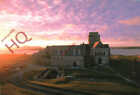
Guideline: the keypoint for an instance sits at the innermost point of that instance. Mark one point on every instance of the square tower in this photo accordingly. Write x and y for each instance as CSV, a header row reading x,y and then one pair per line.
x,y
93,37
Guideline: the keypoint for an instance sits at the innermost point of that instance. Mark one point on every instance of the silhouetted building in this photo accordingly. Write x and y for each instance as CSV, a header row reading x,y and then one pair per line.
x,y
83,55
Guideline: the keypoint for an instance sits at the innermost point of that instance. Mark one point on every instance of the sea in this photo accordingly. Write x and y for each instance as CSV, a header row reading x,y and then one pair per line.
x,y
125,52
114,51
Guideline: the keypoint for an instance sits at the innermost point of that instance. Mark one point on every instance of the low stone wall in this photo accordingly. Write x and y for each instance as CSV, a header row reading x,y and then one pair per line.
x,y
67,61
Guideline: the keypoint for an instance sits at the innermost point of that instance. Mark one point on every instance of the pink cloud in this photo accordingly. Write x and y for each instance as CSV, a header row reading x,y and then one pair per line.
x,y
132,21
65,19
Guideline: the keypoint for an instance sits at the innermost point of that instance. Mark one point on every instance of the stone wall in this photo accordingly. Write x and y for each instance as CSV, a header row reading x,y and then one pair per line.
x,y
101,55
67,61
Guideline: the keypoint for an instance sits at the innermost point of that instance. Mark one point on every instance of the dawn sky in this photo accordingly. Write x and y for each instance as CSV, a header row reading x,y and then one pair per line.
x,y
57,22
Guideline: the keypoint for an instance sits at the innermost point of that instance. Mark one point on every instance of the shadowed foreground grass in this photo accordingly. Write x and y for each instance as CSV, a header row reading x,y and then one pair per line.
x,y
88,81
9,89
99,88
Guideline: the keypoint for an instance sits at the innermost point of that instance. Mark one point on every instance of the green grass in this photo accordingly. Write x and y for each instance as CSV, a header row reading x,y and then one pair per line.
x,y
10,89
104,83
91,87
31,74
126,65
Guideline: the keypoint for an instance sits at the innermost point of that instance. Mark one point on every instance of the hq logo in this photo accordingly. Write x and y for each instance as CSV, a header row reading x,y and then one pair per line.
x,y
16,41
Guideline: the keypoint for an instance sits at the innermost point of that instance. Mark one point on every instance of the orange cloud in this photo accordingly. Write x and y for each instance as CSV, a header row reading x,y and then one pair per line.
x,y
30,48
132,21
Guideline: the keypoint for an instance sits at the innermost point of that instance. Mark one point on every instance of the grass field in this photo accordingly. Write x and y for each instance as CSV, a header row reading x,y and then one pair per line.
x,y
9,89
89,81
126,65
101,82
98,87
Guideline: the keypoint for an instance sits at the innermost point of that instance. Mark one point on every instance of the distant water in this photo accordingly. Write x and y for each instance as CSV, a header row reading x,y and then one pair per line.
x,y
113,52
125,52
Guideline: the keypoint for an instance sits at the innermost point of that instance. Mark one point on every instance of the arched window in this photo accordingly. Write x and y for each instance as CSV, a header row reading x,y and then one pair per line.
x,y
100,61
74,64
